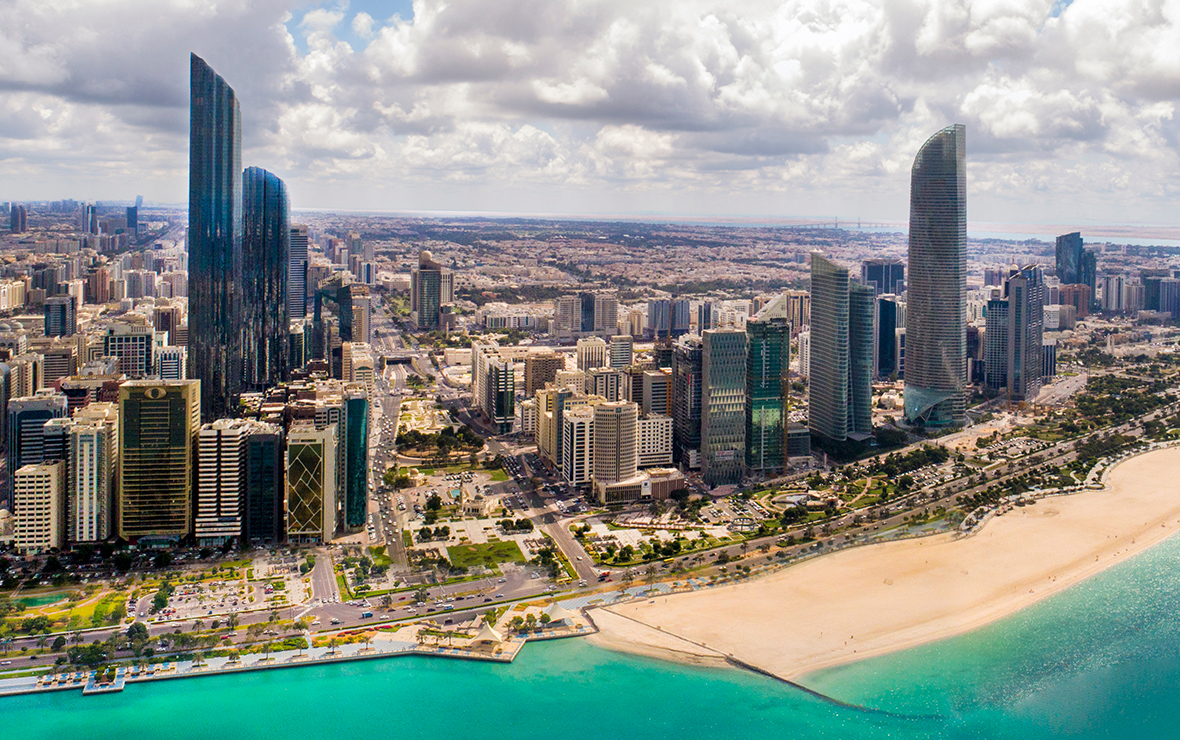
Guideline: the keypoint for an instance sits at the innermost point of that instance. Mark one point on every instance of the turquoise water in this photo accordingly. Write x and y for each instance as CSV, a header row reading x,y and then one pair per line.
x,y
1098,661
32,602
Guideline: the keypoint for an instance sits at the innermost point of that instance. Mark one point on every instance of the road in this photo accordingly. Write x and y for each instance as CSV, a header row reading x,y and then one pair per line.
x,y
323,578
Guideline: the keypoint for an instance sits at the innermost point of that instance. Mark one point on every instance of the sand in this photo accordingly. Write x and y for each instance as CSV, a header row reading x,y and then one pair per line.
x,y
873,600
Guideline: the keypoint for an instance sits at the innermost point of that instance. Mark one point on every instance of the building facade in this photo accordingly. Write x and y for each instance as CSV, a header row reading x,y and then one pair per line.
x,y
266,267
723,406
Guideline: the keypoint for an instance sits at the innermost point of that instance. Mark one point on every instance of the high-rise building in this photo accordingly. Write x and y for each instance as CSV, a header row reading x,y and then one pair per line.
x,y
39,507
93,445
26,421
430,290
592,353
297,260
158,422
723,406
883,276
355,432
60,316
577,445
687,358
494,384
311,483
890,317
606,314
1076,265
214,240
936,344
135,347
221,478
1014,338
653,444
681,317
541,368
133,221
768,361
266,240
1079,296
18,219
840,381
172,363
659,318
622,350
615,453
654,396
608,382
265,484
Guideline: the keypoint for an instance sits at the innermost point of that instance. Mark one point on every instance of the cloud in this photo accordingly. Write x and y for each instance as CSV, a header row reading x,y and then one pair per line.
x,y
826,99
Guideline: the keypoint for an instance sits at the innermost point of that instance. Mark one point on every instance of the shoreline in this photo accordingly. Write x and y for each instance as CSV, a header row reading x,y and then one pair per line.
x,y
882,598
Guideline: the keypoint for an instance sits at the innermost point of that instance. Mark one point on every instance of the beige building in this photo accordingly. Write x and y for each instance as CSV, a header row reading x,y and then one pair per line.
x,y
39,506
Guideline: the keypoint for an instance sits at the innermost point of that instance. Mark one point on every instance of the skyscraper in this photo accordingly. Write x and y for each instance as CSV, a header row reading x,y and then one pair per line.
x,y
91,472
614,450
540,368
297,272
768,359
687,357
936,312
214,239
311,483
622,350
266,239
356,456
60,316
723,406
265,482
39,506
890,318
430,289
26,421
840,391
158,422
1014,338
883,275
221,473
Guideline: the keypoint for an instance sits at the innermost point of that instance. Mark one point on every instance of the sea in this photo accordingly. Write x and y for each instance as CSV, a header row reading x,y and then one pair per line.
x,y
1099,660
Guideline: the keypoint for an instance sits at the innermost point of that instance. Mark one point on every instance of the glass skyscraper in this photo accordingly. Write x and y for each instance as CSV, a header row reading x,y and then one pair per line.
x,y
841,373
356,457
214,239
723,406
936,311
264,486
297,272
768,360
266,239
687,357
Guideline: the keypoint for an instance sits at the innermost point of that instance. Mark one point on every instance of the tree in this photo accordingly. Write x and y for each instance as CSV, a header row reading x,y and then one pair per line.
x,y
332,644
232,621
58,643
545,619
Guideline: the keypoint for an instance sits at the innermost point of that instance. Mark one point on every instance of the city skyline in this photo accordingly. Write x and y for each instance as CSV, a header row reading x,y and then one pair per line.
x,y
355,110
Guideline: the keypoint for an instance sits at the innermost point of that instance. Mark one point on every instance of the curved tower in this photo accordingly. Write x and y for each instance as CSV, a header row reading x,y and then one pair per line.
x,y
936,340
214,239
266,240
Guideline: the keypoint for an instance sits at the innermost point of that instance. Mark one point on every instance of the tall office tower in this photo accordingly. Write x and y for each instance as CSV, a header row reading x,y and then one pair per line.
x,y
266,239
26,426
1076,265
659,318
356,456
607,382
98,286
539,369
592,353
91,488
133,221
585,319
681,317
1015,333
90,218
494,384
362,315
59,360
936,307
428,292
214,240
167,318
606,314
39,507
615,454
221,477
687,359
655,392
566,315
134,345
653,444
840,390
883,275
55,439
1079,296
172,363
890,318
297,261
577,445
768,364
706,316
18,219
311,483
622,350
264,485
723,406
60,316
158,422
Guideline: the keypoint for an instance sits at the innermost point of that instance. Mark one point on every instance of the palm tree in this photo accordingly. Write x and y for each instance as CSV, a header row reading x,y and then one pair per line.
x,y
232,622
42,641
335,641
266,650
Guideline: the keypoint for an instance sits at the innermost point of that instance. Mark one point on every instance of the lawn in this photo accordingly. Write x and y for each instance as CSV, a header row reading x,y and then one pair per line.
x,y
378,556
489,555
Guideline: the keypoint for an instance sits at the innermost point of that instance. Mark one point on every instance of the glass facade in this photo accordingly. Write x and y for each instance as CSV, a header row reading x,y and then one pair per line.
x,y
214,239
936,312
768,360
158,422
723,406
297,272
356,458
841,372
311,484
687,357
266,240
264,487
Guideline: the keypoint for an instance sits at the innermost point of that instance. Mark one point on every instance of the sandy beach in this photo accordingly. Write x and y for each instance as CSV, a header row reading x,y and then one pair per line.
x,y
877,599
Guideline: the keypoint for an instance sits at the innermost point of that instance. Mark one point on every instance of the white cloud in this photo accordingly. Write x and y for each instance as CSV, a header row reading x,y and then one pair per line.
x,y
823,100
